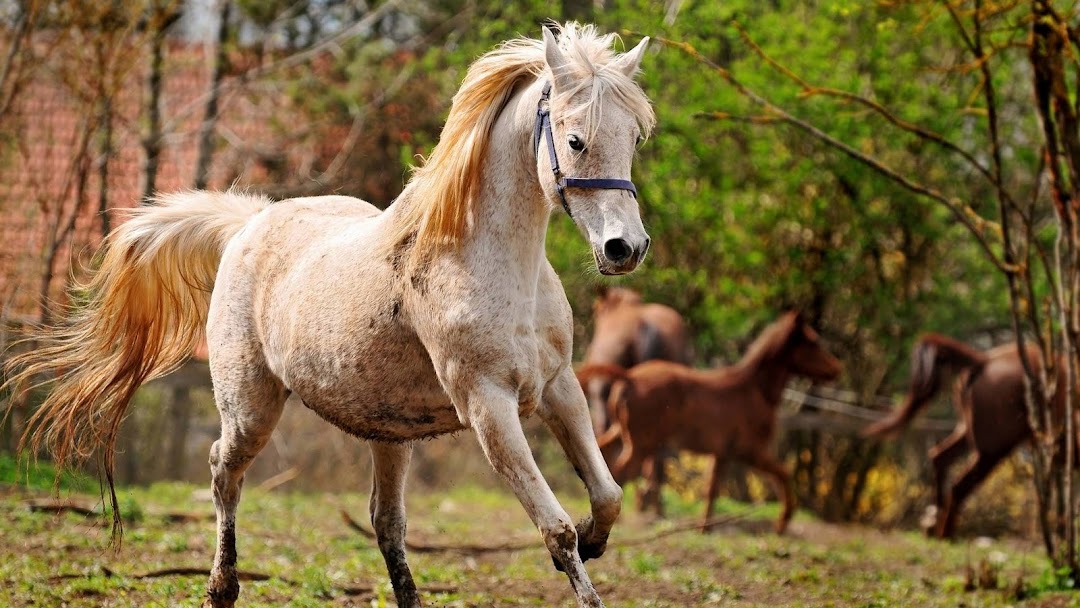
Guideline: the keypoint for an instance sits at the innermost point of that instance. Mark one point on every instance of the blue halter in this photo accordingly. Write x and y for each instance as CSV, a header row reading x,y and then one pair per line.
x,y
543,128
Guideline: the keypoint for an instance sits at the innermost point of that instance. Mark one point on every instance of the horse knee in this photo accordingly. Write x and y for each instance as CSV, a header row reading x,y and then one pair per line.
x,y
607,502
215,454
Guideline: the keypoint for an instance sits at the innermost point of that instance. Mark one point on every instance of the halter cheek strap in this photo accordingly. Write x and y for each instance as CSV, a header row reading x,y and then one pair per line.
x,y
543,129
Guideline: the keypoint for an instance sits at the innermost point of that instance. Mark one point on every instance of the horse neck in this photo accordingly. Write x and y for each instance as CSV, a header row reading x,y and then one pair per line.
x,y
767,372
510,214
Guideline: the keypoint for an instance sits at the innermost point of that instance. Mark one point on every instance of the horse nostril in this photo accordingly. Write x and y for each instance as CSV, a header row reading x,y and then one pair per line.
x,y
645,247
617,250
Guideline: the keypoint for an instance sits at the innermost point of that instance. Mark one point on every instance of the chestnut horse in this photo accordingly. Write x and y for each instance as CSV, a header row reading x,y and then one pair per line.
x,y
728,412
989,400
438,314
628,331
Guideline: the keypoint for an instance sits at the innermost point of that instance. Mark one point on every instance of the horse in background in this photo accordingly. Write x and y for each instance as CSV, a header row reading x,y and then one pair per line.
x,y
728,412
628,331
992,416
438,314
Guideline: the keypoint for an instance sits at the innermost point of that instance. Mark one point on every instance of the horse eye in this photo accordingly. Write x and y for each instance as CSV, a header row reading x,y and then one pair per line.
x,y
638,139
576,143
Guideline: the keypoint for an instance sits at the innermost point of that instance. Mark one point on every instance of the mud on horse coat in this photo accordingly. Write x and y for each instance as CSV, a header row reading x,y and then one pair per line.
x,y
728,412
438,314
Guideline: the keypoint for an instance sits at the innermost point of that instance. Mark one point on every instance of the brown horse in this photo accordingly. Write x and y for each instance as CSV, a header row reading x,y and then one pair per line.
x,y
729,412
989,400
628,331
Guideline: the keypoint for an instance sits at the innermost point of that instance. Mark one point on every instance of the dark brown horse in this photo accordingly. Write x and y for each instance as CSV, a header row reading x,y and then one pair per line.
x,y
989,400
729,412
628,331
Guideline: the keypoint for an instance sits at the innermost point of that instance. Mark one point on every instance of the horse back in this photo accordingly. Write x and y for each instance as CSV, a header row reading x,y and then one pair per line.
x,y
662,334
303,294
669,404
992,401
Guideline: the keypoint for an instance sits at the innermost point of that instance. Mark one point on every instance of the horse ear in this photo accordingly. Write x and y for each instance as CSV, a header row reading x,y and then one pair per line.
x,y
629,62
557,61
798,322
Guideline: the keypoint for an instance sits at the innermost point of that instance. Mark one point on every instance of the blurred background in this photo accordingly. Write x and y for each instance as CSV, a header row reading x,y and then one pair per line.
x,y
104,103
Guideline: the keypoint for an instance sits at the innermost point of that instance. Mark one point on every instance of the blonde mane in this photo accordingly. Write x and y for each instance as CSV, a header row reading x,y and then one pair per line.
x,y
445,188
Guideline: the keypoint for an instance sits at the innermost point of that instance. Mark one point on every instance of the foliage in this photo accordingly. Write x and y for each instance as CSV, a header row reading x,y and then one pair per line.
x,y
748,215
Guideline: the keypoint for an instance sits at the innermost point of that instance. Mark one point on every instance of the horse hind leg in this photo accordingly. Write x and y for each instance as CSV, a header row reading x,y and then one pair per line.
x,y
391,463
652,475
768,465
942,456
977,471
249,412
719,465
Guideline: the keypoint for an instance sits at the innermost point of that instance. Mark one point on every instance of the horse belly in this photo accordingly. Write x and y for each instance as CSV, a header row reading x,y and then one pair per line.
x,y
376,383
391,422
392,408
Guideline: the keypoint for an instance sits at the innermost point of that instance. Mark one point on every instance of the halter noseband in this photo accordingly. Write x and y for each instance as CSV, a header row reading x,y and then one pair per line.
x,y
543,128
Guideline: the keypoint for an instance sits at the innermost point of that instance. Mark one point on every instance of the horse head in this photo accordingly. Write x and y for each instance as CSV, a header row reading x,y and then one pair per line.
x,y
807,355
590,119
609,299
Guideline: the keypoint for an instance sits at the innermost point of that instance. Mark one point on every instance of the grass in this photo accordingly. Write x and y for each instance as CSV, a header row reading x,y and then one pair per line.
x,y
313,559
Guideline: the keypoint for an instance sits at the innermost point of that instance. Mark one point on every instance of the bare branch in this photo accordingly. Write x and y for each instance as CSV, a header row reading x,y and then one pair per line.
x,y
978,226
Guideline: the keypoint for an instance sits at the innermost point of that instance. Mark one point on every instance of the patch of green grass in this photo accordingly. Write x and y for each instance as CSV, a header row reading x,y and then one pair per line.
x,y
312,558
31,474
645,563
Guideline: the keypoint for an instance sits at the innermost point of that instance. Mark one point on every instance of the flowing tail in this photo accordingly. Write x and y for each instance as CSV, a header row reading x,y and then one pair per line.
x,y
143,313
616,375
932,357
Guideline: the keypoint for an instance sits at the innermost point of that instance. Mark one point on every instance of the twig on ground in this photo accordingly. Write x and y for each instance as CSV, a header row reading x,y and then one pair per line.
x,y
50,505
418,547
470,549
57,505
243,575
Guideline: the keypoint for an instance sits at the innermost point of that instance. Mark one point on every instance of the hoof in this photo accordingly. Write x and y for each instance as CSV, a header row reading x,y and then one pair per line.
x,y
587,547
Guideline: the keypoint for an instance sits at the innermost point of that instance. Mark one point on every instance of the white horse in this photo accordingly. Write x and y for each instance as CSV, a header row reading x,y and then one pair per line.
x,y
439,314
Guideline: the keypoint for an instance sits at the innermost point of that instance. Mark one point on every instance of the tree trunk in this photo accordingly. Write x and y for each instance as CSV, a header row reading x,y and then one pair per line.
x,y
206,130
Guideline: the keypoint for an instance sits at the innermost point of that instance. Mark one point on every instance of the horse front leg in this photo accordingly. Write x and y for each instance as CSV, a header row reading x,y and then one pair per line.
x,y
566,412
493,413
387,505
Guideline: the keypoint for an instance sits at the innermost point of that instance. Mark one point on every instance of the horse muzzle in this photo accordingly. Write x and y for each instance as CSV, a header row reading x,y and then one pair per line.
x,y
620,256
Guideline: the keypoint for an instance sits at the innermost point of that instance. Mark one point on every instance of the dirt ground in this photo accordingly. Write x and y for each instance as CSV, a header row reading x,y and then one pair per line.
x,y
310,556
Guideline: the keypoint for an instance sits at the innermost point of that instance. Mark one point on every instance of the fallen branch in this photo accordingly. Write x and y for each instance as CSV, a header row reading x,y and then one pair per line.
x,y
681,527
466,549
185,518
243,575
56,505
471,549
50,505
110,573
